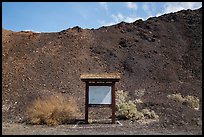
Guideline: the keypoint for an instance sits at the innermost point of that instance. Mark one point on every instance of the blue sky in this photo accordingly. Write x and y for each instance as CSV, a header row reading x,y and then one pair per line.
x,y
58,16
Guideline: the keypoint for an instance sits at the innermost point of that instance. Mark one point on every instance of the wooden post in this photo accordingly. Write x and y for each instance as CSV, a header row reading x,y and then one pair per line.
x,y
113,102
86,102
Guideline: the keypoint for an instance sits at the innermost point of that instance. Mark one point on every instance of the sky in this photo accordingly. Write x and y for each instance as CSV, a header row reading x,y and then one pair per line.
x,y
58,16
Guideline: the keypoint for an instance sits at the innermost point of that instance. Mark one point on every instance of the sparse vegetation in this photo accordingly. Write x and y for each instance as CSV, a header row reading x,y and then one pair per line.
x,y
121,97
191,101
139,92
149,114
128,110
54,110
176,97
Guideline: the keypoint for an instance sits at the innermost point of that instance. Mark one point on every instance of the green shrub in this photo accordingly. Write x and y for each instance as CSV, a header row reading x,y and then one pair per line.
x,y
54,110
128,110
121,98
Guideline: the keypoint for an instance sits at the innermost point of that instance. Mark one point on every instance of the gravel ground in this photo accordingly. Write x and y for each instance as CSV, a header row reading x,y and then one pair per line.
x,y
121,128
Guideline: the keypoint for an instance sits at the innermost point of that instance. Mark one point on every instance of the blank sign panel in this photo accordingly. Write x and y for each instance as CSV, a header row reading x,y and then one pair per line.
x,y
99,94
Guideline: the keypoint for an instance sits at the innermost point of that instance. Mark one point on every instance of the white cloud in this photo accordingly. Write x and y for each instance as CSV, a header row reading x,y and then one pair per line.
x,y
177,6
150,10
117,18
32,31
132,5
104,5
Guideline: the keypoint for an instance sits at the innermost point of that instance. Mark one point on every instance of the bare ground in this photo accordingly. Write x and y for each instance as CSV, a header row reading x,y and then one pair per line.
x,y
120,128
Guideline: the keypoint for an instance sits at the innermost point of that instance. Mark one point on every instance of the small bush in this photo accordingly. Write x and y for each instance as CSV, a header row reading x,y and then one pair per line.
x,y
149,114
54,110
127,110
177,97
154,115
138,115
146,113
121,98
191,101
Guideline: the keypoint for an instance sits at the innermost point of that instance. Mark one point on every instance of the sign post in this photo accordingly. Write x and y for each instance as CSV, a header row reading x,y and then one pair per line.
x,y
100,90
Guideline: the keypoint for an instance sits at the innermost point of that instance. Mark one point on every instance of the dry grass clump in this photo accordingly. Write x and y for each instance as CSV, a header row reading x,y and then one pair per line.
x,y
191,101
54,110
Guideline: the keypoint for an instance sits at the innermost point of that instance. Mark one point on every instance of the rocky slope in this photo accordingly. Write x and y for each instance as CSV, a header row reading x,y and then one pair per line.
x,y
159,56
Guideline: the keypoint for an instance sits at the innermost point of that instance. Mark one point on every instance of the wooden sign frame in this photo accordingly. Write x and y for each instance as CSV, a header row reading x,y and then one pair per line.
x,y
100,80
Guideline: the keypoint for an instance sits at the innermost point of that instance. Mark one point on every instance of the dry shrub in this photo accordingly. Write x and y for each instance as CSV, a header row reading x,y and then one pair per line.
x,y
54,110
191,101
176,97
149,114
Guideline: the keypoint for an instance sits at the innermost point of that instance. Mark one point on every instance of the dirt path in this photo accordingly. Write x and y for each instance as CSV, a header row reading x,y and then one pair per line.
x,y
121,128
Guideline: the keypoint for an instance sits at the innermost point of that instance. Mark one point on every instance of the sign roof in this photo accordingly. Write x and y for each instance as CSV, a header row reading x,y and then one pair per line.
x,y
100,76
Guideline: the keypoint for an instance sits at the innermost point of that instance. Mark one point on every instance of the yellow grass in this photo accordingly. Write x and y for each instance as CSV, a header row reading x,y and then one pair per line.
x,y
54,110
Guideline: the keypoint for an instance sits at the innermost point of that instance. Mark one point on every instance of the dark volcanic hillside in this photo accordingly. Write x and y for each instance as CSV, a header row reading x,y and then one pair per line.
x,y
160,56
